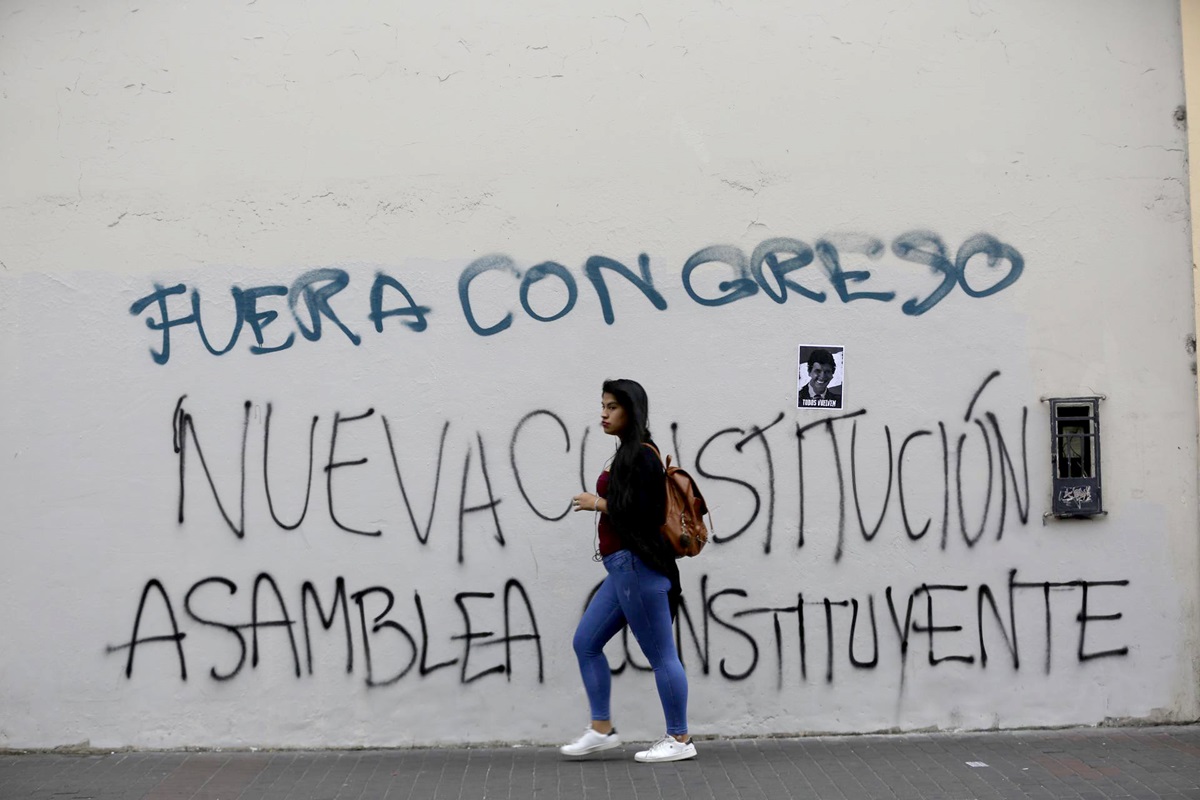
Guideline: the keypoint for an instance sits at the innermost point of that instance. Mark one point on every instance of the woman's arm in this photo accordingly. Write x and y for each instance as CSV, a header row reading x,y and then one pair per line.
x,y
586,501
648,503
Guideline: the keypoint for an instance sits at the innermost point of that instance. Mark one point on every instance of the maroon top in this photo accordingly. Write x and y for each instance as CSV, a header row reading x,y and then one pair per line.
x,y
609,541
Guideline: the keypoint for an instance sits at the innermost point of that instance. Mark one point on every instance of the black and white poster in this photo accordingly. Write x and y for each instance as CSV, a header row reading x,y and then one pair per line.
x,y
821,376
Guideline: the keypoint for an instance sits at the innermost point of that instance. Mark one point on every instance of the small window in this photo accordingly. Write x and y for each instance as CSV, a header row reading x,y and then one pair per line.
x,y
1075,442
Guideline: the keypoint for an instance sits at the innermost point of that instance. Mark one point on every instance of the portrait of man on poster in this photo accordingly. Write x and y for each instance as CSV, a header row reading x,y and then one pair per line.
x,y
821,376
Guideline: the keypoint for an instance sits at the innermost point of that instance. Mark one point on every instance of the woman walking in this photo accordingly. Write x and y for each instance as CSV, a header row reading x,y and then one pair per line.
x,y
641,589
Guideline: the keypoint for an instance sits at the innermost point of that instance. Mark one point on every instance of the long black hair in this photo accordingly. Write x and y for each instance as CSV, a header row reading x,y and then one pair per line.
x,y
631,397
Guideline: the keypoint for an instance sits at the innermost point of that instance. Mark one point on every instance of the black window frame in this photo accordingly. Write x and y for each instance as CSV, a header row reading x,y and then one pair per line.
x,y
1075,457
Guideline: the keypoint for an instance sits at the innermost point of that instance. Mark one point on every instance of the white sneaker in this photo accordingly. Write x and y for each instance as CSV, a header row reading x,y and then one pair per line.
x,y
592,741
667,748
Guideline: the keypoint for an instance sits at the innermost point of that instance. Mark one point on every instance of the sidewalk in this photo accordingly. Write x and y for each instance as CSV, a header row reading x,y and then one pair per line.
x,y
1161,762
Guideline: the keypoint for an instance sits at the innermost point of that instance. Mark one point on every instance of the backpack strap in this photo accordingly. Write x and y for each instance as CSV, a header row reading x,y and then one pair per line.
x,y
654,450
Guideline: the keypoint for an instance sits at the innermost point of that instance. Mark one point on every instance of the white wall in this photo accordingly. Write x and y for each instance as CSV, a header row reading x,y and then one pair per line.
x,y
242,145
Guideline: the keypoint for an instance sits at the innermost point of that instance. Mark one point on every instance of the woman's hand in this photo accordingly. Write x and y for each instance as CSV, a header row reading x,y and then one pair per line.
x,y
587,501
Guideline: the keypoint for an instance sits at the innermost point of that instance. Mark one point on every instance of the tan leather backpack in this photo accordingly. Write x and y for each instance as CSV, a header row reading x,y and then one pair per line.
x,y
684,524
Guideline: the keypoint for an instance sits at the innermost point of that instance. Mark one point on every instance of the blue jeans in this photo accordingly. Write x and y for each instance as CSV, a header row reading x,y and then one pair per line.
x,y
636,595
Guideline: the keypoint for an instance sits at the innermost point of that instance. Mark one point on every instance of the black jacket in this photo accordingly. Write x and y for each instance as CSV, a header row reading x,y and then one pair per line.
x,y
638,522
